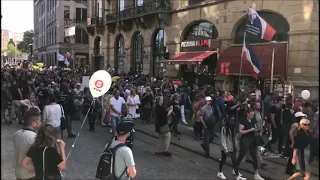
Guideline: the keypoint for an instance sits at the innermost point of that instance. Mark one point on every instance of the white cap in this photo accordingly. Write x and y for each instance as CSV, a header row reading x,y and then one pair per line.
x,y
253,94
299,114
208,98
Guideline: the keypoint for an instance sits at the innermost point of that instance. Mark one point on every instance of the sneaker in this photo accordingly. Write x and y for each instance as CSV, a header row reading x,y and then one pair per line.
x,y
184,122
110,130
175,136
133,130
103,124
234,173
257,177
221,175
241,178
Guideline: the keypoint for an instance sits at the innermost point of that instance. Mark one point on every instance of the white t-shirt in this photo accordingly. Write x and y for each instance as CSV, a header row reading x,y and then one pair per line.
x,y
22,141
52,115
117,104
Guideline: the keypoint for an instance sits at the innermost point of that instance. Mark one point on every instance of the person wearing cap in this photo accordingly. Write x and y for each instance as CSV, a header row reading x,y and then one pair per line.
x,y
207,118
290,141
124,157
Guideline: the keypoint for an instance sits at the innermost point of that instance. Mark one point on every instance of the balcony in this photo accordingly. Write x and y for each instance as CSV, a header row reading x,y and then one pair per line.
x,y
161,6
74,22
95,24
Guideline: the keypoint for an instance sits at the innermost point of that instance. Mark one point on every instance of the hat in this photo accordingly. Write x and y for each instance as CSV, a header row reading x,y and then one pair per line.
x,y
208,98
253,94
123,128
299,114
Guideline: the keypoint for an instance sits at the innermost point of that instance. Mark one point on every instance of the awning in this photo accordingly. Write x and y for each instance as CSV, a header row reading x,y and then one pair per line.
x,y
190,57
230,59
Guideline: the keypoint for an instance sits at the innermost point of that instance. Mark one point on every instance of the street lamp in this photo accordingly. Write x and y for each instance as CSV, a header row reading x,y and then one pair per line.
x,y
272,65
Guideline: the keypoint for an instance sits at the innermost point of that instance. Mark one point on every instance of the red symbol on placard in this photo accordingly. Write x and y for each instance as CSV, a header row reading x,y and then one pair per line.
x,y
98,84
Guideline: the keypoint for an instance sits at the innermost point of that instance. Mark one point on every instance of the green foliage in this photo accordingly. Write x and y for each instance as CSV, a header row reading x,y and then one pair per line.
x,y
12,51
27,40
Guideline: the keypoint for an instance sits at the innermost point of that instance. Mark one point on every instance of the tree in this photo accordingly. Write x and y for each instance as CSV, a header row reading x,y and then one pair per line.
x,y
12,51
23,46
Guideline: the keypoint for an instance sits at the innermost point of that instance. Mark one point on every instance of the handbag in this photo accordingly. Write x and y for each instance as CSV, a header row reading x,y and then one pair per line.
x,y
63,120
164,129
56,177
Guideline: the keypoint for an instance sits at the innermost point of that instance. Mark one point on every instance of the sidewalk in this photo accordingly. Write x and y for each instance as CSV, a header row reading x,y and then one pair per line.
x,y
275,169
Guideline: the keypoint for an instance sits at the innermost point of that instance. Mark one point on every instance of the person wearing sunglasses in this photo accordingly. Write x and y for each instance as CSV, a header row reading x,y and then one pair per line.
x,y
301,151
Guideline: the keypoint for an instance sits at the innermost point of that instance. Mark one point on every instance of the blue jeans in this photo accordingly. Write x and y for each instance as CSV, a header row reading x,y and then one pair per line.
x,y
114,121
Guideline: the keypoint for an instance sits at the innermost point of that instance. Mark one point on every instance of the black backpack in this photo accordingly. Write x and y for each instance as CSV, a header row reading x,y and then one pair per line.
x,y
105,170
287,116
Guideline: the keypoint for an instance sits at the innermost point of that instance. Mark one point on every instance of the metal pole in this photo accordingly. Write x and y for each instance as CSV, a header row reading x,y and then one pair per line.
x,y
241,61
272,69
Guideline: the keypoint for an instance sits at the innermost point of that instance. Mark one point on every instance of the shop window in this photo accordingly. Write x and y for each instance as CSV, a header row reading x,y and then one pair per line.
x,y
138,53
278,22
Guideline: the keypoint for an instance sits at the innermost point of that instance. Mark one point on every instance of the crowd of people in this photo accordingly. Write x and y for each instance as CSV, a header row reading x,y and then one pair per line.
x,y
242,120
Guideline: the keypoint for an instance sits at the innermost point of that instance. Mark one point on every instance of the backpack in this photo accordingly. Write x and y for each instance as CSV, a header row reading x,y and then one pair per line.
x,y
287,116
105,170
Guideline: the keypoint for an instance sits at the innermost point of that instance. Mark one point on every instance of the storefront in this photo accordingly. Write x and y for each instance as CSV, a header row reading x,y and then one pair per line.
x,y
197,58
229,62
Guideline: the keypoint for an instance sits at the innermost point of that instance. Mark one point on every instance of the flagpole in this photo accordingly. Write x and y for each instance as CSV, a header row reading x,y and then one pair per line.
x,y
272,69
241,61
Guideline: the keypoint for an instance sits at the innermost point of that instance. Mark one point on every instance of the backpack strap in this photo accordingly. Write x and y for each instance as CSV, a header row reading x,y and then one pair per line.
x,y
114,157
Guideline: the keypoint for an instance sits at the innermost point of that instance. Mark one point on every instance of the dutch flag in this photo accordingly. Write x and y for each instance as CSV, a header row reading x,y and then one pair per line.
x,y
247,54
258,26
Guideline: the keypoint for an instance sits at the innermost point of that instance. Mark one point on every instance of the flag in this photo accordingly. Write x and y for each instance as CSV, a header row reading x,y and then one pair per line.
x,y
61,57
247,54
257,26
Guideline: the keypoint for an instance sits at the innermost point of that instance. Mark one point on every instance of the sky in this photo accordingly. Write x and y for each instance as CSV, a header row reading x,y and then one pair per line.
x,y
17,15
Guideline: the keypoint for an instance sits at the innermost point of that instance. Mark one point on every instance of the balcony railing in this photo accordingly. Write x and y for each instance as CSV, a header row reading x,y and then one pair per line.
x,y
74,22
145,9
98,21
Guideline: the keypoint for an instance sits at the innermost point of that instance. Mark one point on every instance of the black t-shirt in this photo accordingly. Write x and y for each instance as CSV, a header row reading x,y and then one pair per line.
x,y
51,157
14,92
230,112
301,140
277,114
176,109
247,125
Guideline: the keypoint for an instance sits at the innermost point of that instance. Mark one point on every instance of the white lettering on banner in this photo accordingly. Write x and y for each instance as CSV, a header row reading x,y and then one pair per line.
x,y
253,30
206,42
188,44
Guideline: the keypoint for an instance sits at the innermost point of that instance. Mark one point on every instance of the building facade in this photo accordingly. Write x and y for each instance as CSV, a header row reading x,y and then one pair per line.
x,y
135,35
54,20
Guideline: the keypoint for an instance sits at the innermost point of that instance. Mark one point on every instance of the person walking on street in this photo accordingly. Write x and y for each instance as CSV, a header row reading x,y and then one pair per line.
x,y
228,147
247,130
207,118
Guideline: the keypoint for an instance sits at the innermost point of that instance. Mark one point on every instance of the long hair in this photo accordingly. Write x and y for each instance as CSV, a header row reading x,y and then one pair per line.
x,y
229,127
46,137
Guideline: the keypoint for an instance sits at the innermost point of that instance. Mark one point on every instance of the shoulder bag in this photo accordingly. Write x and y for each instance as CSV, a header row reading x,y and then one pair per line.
x,y
63,120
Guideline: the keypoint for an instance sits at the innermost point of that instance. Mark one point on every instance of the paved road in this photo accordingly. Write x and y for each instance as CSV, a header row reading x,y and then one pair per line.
x,y
84,158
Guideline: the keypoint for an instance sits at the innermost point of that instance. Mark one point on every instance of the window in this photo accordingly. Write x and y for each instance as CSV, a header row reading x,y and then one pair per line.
x,y
67,12
78,14
78,35
138,53
121,5
159,48
120,56
192,2
84,14
139,2
201,31
85,38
